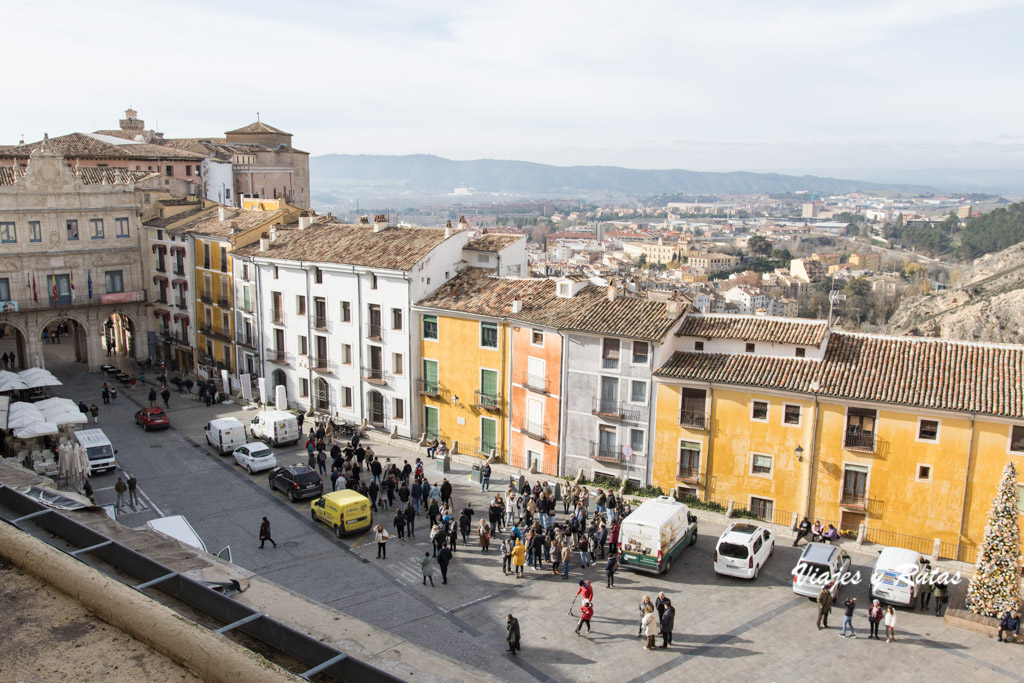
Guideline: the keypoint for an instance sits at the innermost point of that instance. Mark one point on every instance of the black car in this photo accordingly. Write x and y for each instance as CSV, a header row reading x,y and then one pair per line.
x,y
298,481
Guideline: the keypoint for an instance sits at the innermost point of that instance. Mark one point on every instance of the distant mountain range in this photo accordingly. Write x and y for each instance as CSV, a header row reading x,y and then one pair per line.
x,y
336,175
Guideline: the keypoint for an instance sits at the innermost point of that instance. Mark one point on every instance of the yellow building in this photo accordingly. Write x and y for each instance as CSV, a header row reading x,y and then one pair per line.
x,y
905,436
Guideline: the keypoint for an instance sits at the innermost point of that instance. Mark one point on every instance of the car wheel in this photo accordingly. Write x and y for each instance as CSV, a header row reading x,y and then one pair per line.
x,y
772,551
292,497
312,513
270,483
693,541
337,531
249,467
757,569
668,565
144,427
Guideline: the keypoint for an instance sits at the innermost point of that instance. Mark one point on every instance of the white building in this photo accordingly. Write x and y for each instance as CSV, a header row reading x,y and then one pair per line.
x,y
747,299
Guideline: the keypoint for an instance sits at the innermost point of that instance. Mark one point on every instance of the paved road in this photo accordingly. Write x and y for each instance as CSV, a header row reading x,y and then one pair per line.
x,y
725,628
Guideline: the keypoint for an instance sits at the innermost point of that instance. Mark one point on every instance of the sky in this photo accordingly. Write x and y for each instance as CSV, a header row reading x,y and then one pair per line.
x,y
779,85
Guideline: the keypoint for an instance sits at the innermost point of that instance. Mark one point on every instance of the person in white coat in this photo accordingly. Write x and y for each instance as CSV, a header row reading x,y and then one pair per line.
x,y
381,535
650,626
890,624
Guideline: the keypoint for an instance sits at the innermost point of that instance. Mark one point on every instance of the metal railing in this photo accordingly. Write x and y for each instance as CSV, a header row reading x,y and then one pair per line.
x,y
181,304
694,419
485,447
537,383
688,474
374,331
534,429
277,317
214,331
859,440
606,453
925,546
428,387
246,340
245,306
278,356
224,303
178,270
322,364
321,322
487,401
853,500
206,297
615,409
371,374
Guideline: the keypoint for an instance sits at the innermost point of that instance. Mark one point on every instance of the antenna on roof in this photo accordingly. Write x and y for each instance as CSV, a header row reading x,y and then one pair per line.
x,y
257,117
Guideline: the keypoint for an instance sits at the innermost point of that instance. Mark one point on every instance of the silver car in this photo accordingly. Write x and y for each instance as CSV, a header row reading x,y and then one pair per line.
x,y
820,565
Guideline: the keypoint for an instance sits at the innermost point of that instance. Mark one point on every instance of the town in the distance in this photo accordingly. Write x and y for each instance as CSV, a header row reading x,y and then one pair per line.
x,y
489,435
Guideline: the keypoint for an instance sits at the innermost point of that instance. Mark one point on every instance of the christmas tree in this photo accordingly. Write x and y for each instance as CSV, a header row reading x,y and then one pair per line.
x,y
995,587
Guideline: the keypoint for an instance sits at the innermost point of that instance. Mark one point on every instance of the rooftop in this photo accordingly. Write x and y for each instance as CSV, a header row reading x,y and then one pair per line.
x,y
83,145
209,223
755,329
257,127
493,242
108,175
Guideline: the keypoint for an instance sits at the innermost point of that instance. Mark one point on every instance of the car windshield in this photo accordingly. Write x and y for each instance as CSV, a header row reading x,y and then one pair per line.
x,y
307,477
260,452
734,550
99,452
157,413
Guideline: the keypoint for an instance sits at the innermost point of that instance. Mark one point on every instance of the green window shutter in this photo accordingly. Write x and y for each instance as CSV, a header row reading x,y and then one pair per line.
x,y
489,383
489,434
430,419
430,371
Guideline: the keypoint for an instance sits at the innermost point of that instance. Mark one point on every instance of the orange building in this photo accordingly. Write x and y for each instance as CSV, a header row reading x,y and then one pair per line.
x,y
536,397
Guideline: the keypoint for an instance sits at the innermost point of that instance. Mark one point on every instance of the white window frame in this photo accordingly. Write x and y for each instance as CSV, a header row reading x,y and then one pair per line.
x,y
343,354
767,413
647,392
480,431
528,459
437,324
395,402
632,353
1009,440
426,409
341,312
346,405
799,421
497,335
397,368
938,430
763,475
534,331
643,433
700,454
931,472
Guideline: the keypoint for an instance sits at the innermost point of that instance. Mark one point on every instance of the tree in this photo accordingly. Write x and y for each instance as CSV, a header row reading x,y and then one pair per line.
x,y
995,587
643,261
759,246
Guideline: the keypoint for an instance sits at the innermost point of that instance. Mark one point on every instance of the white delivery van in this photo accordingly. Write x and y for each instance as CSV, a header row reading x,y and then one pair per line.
x,y
275,426
655,533
225,434
99,449
896,576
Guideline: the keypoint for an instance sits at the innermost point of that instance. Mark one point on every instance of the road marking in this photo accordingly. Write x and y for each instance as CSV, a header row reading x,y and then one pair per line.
x,y
150,502
471,602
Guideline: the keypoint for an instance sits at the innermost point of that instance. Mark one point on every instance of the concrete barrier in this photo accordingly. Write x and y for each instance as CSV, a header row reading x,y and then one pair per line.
x,y
210,656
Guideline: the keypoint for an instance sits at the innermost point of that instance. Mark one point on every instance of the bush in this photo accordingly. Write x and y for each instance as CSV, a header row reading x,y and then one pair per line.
x,y
607,482
645,491
698,504
743,513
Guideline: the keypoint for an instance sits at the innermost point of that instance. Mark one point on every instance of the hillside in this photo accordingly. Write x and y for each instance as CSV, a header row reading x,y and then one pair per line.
x,y
427,174
986,305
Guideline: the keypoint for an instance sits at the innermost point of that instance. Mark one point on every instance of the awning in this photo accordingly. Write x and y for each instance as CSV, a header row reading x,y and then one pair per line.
x,y
178,282
157,312
181,316
159,247
181,249
158,278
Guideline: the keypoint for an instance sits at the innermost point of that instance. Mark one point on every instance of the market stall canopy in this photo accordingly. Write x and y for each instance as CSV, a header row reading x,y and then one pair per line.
x,y
35,429
37,377
65,417
10,381
23,414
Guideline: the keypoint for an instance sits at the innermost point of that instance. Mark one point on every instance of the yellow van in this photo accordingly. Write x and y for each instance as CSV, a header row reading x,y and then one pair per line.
x,y
344,511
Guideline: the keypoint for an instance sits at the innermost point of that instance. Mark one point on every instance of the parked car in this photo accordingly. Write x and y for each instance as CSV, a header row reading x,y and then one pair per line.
x,y
743,549
225,434
152,418
255,457
298,481
820,565
275,427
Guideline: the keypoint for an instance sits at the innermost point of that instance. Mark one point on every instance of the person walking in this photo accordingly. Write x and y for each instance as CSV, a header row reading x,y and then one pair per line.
x,y
556,557
410,519
941,597
105,394
427,567
610,568
444,557
668,620
265,533
133,486
586,614
519,558
645,602
875,614
649,626
113,395
584,546
152,398
446,492
483,530
506,556
400,523
890,624
512,635
485,477
851,605
824,607
926,587
802,531
381,536
120,487
94,410
166,396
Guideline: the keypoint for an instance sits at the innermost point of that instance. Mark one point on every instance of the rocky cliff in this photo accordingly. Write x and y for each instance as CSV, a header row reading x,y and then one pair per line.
x,y
987,304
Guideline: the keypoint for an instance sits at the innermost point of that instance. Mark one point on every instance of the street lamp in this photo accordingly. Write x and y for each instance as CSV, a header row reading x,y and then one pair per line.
x,y
800,453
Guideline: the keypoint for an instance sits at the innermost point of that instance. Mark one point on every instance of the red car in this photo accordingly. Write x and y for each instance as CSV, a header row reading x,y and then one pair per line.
x,y
152,418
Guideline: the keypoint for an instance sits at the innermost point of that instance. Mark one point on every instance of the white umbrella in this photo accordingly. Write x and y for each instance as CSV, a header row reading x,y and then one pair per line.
x,y
65,417
35,429
9,381
22,414
49,403
37,377
81,460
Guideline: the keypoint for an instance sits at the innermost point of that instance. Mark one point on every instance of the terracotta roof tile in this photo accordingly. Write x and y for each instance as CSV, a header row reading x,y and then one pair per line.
x,y
107,175
755,328
209,223
257,127
80,145
922,373
493,242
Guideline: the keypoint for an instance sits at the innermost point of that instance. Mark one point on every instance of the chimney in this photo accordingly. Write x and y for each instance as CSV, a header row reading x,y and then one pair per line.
x,y
448,232
517,304
234,228
380,223
363,220
221,214
463,225
673,306
264,244
273,232
613,291
305,222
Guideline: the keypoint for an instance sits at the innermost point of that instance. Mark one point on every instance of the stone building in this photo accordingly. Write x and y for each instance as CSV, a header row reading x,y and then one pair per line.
x,y
71,258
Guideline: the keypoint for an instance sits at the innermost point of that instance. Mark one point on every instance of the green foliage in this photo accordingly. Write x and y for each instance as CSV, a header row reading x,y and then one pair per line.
x,y
934,240
995,587
645,491
743,513
759,246
993,231
698,504
782,255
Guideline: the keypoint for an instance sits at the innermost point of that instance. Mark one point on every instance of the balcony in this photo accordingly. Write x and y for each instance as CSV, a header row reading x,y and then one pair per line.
x,y
206,297
179,270
616,410
322,365
858,440
853,501
537,383
214,331
160,268
246,340
374,331
487,401
181,305
609,453
688,474
277,317
245,306
224,303
485,448
321,323
278,356
161,300
694,419
376,375
534,429
428,387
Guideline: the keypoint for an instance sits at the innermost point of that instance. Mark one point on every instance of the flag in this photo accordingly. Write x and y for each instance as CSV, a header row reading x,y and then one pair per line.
x,y
35,294
90,284
72,287
54,278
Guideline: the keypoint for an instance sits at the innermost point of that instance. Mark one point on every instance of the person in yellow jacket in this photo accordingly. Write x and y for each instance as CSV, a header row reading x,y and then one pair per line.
x,y
519,558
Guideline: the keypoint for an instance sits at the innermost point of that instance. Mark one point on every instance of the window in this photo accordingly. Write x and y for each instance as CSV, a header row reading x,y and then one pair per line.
x,y
855,485
318,276
5,289
431,421
759,411
610,353
762,507
750,347
429,385
60,289
489,335
8,233
691,413
482,258
488,435
373,281
346,312
698,346
636,440
303,387
924,472
397,363
276,272
170,174
638,391
607,443
346,354
396,318
300,305
801,352
928,430
430,327
35,232
860,429
188,170
399,409
206,256
115,281
303,345
1017,439
223,259
96,225
761,464
563,289
689,460
227,194
791,414
72,230
537,338
121,229
346,397
641,352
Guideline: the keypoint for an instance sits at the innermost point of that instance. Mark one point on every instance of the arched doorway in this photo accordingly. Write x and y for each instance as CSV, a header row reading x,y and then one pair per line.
x,y
322,396
375,407
63,340
12,343
119,336
278,379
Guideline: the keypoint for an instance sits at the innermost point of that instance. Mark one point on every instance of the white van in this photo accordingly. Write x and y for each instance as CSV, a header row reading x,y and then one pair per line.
x,y
275,426
99,449
225,434
896,576
176,526
655,533
743,549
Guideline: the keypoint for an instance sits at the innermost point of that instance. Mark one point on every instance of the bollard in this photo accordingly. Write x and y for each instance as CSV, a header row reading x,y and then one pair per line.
x,y
936,549
455,448
728,509
444,465
862,533
796,522
423,440
394,433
